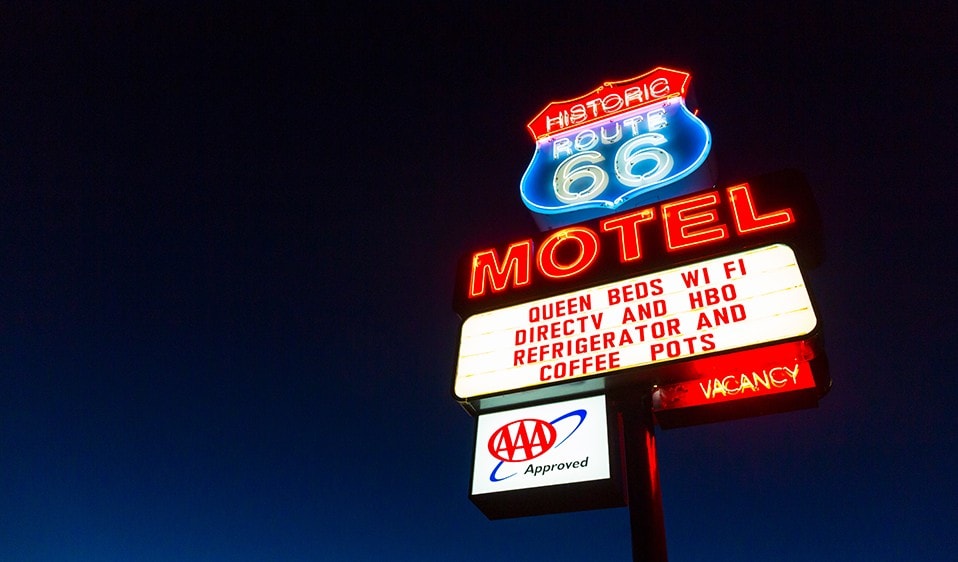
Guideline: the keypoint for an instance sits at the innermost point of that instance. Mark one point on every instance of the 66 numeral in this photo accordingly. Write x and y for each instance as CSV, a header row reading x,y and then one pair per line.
x,y
584,167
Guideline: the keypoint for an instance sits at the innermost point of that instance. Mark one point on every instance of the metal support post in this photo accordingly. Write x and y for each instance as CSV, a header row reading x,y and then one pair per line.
x,y
642,480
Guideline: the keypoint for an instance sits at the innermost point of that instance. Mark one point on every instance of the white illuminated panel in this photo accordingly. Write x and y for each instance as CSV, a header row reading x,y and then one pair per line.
x,y
725,303
558,443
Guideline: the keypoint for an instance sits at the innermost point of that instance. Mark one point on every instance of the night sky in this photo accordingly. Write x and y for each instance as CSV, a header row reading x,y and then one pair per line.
x,y
228,242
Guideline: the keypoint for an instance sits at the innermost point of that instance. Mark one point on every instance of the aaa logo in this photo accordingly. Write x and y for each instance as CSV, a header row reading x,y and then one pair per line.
x,y
526,439
522,440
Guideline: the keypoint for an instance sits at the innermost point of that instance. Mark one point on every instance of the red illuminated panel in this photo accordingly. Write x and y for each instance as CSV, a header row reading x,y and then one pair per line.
x,y
755,377
742,383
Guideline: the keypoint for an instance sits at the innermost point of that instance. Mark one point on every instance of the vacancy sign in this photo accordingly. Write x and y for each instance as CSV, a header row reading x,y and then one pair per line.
x,y
725,303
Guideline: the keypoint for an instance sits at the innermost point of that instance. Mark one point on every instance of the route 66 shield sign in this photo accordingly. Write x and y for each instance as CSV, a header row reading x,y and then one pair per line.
x,y
622,145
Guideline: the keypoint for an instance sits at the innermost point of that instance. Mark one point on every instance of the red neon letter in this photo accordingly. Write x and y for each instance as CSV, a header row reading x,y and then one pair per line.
x,y
747,220
588,243
517,265
679,220
630,247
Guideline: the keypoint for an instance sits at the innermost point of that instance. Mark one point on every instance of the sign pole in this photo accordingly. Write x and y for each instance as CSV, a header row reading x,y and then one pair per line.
x,y
642,480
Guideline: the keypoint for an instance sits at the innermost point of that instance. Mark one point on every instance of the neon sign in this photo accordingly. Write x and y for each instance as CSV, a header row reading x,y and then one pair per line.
x,y
770,379
722,304
621,145
776,208
650,283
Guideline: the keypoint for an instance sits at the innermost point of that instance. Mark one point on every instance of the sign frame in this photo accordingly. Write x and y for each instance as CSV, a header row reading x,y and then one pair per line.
x,y
558,498
647,374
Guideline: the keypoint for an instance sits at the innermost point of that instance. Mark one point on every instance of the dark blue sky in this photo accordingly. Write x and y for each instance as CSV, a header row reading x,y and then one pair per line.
x,y
228,243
